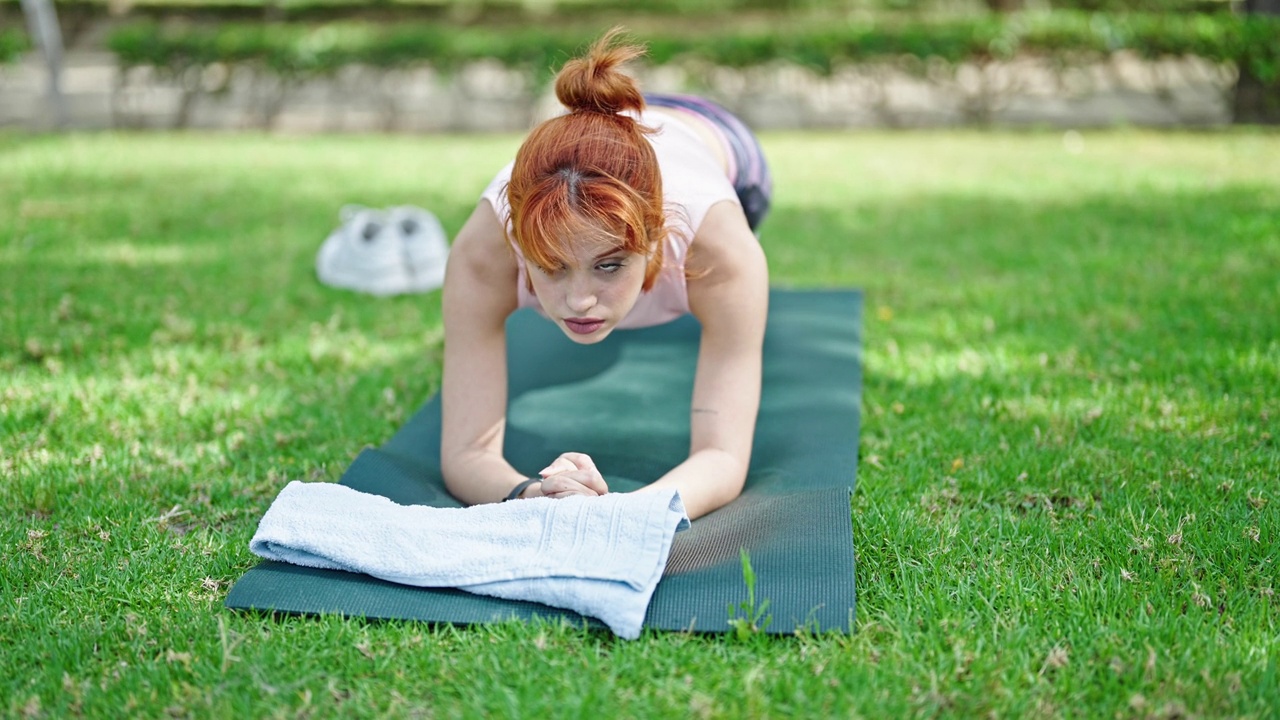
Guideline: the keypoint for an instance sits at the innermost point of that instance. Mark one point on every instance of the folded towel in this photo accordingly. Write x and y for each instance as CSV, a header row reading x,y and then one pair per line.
x,y
601,556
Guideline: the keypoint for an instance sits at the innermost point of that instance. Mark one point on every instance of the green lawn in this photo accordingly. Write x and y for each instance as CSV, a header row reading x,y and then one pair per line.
x,y
1070,481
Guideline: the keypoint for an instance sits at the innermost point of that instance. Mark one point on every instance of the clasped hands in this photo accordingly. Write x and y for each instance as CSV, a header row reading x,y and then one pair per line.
x,y
570,474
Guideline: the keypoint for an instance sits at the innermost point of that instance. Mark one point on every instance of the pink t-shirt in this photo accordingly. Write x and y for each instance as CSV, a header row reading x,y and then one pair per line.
x,y
692,181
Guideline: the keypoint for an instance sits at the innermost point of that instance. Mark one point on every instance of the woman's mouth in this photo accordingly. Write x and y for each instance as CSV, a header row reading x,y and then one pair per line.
x,y
583,326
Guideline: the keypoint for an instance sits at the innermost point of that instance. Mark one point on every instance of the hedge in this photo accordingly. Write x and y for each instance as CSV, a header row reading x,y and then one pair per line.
x,y
12,44
1250,42
574,8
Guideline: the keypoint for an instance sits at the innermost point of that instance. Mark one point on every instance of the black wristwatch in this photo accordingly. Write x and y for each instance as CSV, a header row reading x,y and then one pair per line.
x,y
515,492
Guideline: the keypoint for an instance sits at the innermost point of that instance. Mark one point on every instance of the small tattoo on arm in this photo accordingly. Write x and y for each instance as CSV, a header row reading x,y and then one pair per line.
x,y
705,410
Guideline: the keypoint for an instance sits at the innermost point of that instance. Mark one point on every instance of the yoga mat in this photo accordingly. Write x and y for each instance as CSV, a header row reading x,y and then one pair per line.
x,y
625,402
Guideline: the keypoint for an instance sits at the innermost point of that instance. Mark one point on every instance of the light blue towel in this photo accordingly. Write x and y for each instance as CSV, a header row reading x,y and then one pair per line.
x,y
601,557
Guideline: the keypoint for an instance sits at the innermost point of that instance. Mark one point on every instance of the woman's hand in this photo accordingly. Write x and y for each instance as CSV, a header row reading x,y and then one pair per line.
x,y
572,474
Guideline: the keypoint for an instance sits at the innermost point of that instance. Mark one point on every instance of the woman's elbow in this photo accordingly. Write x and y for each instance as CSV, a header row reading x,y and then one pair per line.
x,y
729,483
452,470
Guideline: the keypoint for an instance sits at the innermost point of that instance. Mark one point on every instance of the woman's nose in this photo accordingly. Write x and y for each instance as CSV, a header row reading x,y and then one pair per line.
x,y
581,296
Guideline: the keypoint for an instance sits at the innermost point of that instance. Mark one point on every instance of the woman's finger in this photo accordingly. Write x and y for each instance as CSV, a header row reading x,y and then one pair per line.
x,y
577,482
589,479
580,491
569,494
582,461
578,462
559,465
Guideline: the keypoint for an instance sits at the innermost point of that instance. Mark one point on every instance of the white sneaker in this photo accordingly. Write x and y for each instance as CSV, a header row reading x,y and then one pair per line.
x,y
426,246
384,253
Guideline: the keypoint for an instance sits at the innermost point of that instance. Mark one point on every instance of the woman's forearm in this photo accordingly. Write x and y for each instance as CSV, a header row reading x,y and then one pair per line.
x,y
478,476
707,480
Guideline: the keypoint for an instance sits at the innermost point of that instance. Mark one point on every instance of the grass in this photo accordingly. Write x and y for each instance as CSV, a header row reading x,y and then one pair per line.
x,y
1066,504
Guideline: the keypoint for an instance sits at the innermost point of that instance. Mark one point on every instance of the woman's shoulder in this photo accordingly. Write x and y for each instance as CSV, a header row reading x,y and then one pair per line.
x,y
478,257
724,248
691,186
496,191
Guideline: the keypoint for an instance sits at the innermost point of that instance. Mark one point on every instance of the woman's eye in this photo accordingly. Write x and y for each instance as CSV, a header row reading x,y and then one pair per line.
x,y
610,266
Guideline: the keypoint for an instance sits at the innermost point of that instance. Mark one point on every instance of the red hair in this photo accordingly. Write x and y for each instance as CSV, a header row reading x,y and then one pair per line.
x,y
591,169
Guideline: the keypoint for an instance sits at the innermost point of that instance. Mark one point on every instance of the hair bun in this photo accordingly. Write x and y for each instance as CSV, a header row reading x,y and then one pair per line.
x,y
594,82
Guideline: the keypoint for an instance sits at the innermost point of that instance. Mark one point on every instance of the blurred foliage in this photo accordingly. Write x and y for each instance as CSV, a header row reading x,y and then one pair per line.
x,y
300,50
480,9
13,43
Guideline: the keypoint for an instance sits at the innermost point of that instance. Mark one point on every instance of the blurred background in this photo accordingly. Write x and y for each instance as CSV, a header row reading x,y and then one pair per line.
x,y
303,66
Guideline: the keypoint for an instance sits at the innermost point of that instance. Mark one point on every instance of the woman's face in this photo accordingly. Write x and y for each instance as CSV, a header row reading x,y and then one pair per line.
x,y
592,292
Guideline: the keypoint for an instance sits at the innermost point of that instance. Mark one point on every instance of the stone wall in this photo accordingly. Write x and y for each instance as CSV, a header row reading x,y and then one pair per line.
x,y
487,97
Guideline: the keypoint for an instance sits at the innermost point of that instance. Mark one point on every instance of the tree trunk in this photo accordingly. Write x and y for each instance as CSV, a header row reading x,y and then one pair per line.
x,y
1257,101
42,23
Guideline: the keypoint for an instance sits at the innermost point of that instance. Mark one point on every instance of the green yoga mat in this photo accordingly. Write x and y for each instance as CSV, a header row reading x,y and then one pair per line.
x,y
625,402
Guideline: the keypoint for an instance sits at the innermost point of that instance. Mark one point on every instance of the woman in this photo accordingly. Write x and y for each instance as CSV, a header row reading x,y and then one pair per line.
x,y
621,213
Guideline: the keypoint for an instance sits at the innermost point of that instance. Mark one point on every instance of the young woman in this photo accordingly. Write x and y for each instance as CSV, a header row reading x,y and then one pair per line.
x,y
625,212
